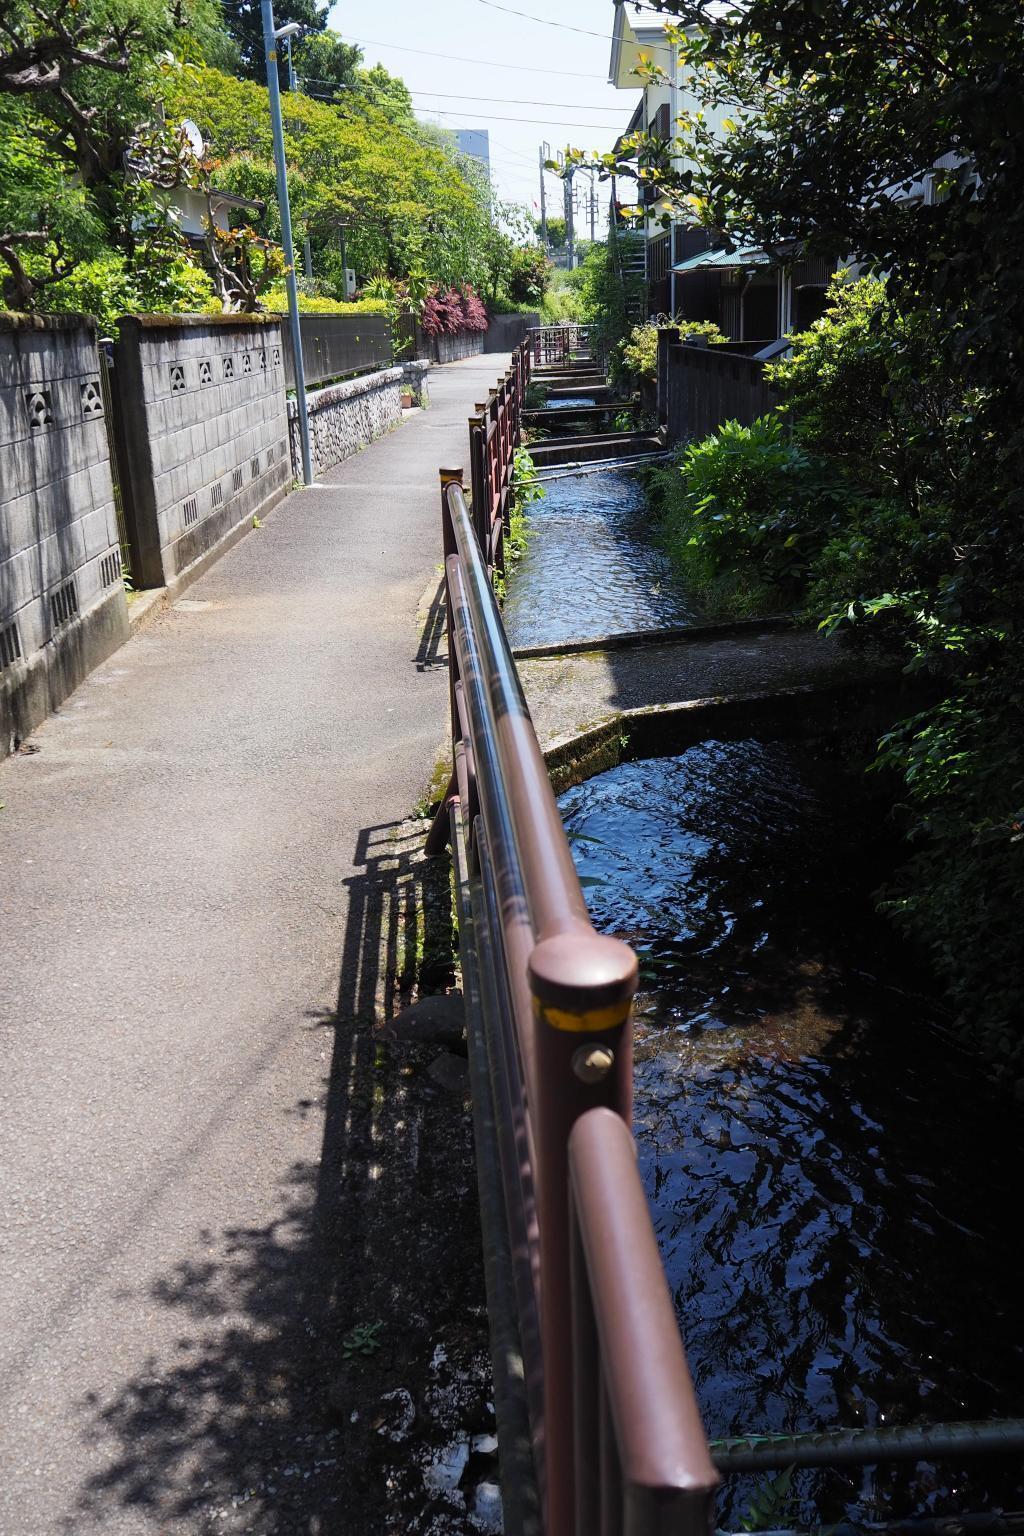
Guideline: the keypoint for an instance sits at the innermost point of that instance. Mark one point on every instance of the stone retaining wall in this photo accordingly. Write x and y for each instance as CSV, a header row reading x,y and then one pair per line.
x,y
345,417
62,599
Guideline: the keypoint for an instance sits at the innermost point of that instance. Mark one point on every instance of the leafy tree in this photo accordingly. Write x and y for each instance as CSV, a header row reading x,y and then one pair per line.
x,y
889,134
325,64
82,149
557,233
244,21
403,197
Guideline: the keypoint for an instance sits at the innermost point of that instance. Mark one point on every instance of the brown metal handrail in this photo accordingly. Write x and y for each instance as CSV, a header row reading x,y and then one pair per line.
x,y
494,436
558,345
560,1047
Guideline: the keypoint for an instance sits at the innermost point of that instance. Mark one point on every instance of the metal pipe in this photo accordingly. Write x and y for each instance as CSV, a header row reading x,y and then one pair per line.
x,y
668,1482
277,125
866,1447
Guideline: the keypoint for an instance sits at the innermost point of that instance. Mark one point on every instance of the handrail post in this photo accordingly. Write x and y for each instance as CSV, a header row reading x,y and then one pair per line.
x,y
582,984
437,837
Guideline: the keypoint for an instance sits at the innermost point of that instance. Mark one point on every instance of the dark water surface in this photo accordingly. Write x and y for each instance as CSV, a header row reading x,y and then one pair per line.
x,y
835,1188
589,567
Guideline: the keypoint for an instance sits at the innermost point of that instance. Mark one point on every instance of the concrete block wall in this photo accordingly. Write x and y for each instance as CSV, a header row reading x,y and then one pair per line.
x,y
62,599
345,417
451,349
206,431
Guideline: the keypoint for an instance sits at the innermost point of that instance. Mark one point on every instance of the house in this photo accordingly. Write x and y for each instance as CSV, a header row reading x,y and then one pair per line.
x,y
754,296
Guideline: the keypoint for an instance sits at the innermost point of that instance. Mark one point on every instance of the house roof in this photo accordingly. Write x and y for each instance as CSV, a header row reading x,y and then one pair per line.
x,y
749,256
630,42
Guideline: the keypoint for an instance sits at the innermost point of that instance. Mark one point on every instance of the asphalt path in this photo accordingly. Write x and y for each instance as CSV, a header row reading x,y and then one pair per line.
x,y
177,859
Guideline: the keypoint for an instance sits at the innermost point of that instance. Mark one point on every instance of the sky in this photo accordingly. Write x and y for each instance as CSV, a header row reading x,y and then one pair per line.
x,y
531,82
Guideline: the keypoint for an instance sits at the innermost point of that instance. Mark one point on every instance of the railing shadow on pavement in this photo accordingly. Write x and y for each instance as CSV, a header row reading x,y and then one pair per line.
x,y
298,1336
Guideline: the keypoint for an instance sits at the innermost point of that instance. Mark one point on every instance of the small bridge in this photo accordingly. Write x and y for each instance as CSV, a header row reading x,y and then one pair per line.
x,y
598,1423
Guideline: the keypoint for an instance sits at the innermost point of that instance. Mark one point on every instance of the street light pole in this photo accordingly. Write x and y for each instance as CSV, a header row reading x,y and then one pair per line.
x,y
270,39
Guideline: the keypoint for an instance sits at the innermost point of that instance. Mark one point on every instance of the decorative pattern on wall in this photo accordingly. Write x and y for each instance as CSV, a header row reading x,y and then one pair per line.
x,y
229,367
37,403
92,400
177,378
205,372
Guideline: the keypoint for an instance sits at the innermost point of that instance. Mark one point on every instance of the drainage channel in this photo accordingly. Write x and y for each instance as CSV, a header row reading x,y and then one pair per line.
x,y
590,566
831,1182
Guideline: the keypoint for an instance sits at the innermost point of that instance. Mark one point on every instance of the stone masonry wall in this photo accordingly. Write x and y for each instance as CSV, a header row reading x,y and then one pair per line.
x,y
203,401
345,417
62,599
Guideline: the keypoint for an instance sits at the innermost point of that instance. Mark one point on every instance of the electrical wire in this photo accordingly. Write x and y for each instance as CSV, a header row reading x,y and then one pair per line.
x,y
496,117
508,101
544,21
456,58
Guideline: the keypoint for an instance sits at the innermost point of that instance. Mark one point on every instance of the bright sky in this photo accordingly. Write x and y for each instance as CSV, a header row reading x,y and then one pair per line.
x,y
470,64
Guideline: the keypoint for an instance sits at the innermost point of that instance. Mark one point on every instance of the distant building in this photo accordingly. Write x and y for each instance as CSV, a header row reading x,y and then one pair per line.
x,y
476,142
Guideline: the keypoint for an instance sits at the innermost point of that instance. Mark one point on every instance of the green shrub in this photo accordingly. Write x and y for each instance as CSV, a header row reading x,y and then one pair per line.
x,y
640,351
744,513
276,302
109,287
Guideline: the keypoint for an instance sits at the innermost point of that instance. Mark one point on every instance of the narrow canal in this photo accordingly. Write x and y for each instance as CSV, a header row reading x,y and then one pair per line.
x,y
836,1192
591,567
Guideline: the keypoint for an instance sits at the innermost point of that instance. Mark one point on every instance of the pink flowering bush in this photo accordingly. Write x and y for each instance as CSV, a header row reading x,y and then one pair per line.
x,y
450,312
473,312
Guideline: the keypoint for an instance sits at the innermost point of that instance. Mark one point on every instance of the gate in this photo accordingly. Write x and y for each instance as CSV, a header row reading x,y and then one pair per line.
x,y
130,563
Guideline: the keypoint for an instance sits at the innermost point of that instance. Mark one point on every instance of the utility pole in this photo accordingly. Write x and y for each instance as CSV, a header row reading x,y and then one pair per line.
x,y
593,208
270,41
570,230
543,203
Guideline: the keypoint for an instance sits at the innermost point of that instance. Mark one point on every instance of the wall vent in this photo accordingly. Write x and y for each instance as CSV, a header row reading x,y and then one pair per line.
x,y
246,363
236,480
110,568
190,511
205,371
10,645
178,378
270,455
92,400
38,406
217,494
255,466
229,367
63,603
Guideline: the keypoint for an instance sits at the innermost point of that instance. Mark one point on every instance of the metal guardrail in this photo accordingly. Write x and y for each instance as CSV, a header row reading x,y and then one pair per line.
x,y
595,1403
559,345
494,435
612,1413
336,345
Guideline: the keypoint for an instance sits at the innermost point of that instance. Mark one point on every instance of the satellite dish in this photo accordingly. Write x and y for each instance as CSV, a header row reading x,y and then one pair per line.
x,y
194,137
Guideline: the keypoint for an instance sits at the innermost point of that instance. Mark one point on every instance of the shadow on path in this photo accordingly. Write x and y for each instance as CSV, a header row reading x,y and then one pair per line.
x,y
324,1360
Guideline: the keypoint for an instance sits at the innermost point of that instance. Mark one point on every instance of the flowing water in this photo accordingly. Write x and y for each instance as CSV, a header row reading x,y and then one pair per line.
x,y
835,1190
590,567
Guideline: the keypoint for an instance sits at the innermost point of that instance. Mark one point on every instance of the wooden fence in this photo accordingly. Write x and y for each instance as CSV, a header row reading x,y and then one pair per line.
x,y
700,387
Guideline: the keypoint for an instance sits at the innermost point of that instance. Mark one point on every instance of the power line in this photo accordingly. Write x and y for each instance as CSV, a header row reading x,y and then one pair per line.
x,y
572,74
585,31
508,101
544,21
495,117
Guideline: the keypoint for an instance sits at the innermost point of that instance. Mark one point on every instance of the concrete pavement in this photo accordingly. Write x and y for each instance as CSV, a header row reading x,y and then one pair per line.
x,y
177,860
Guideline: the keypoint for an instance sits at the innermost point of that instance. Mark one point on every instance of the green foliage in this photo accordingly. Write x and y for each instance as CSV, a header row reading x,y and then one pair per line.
x,y
244,22
561,300
362,1340
402,195
276,302
740,513
526,490
769,1508
110,287
639,351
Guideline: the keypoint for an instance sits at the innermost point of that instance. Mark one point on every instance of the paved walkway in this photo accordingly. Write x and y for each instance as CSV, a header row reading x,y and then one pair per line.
x,y
179,860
